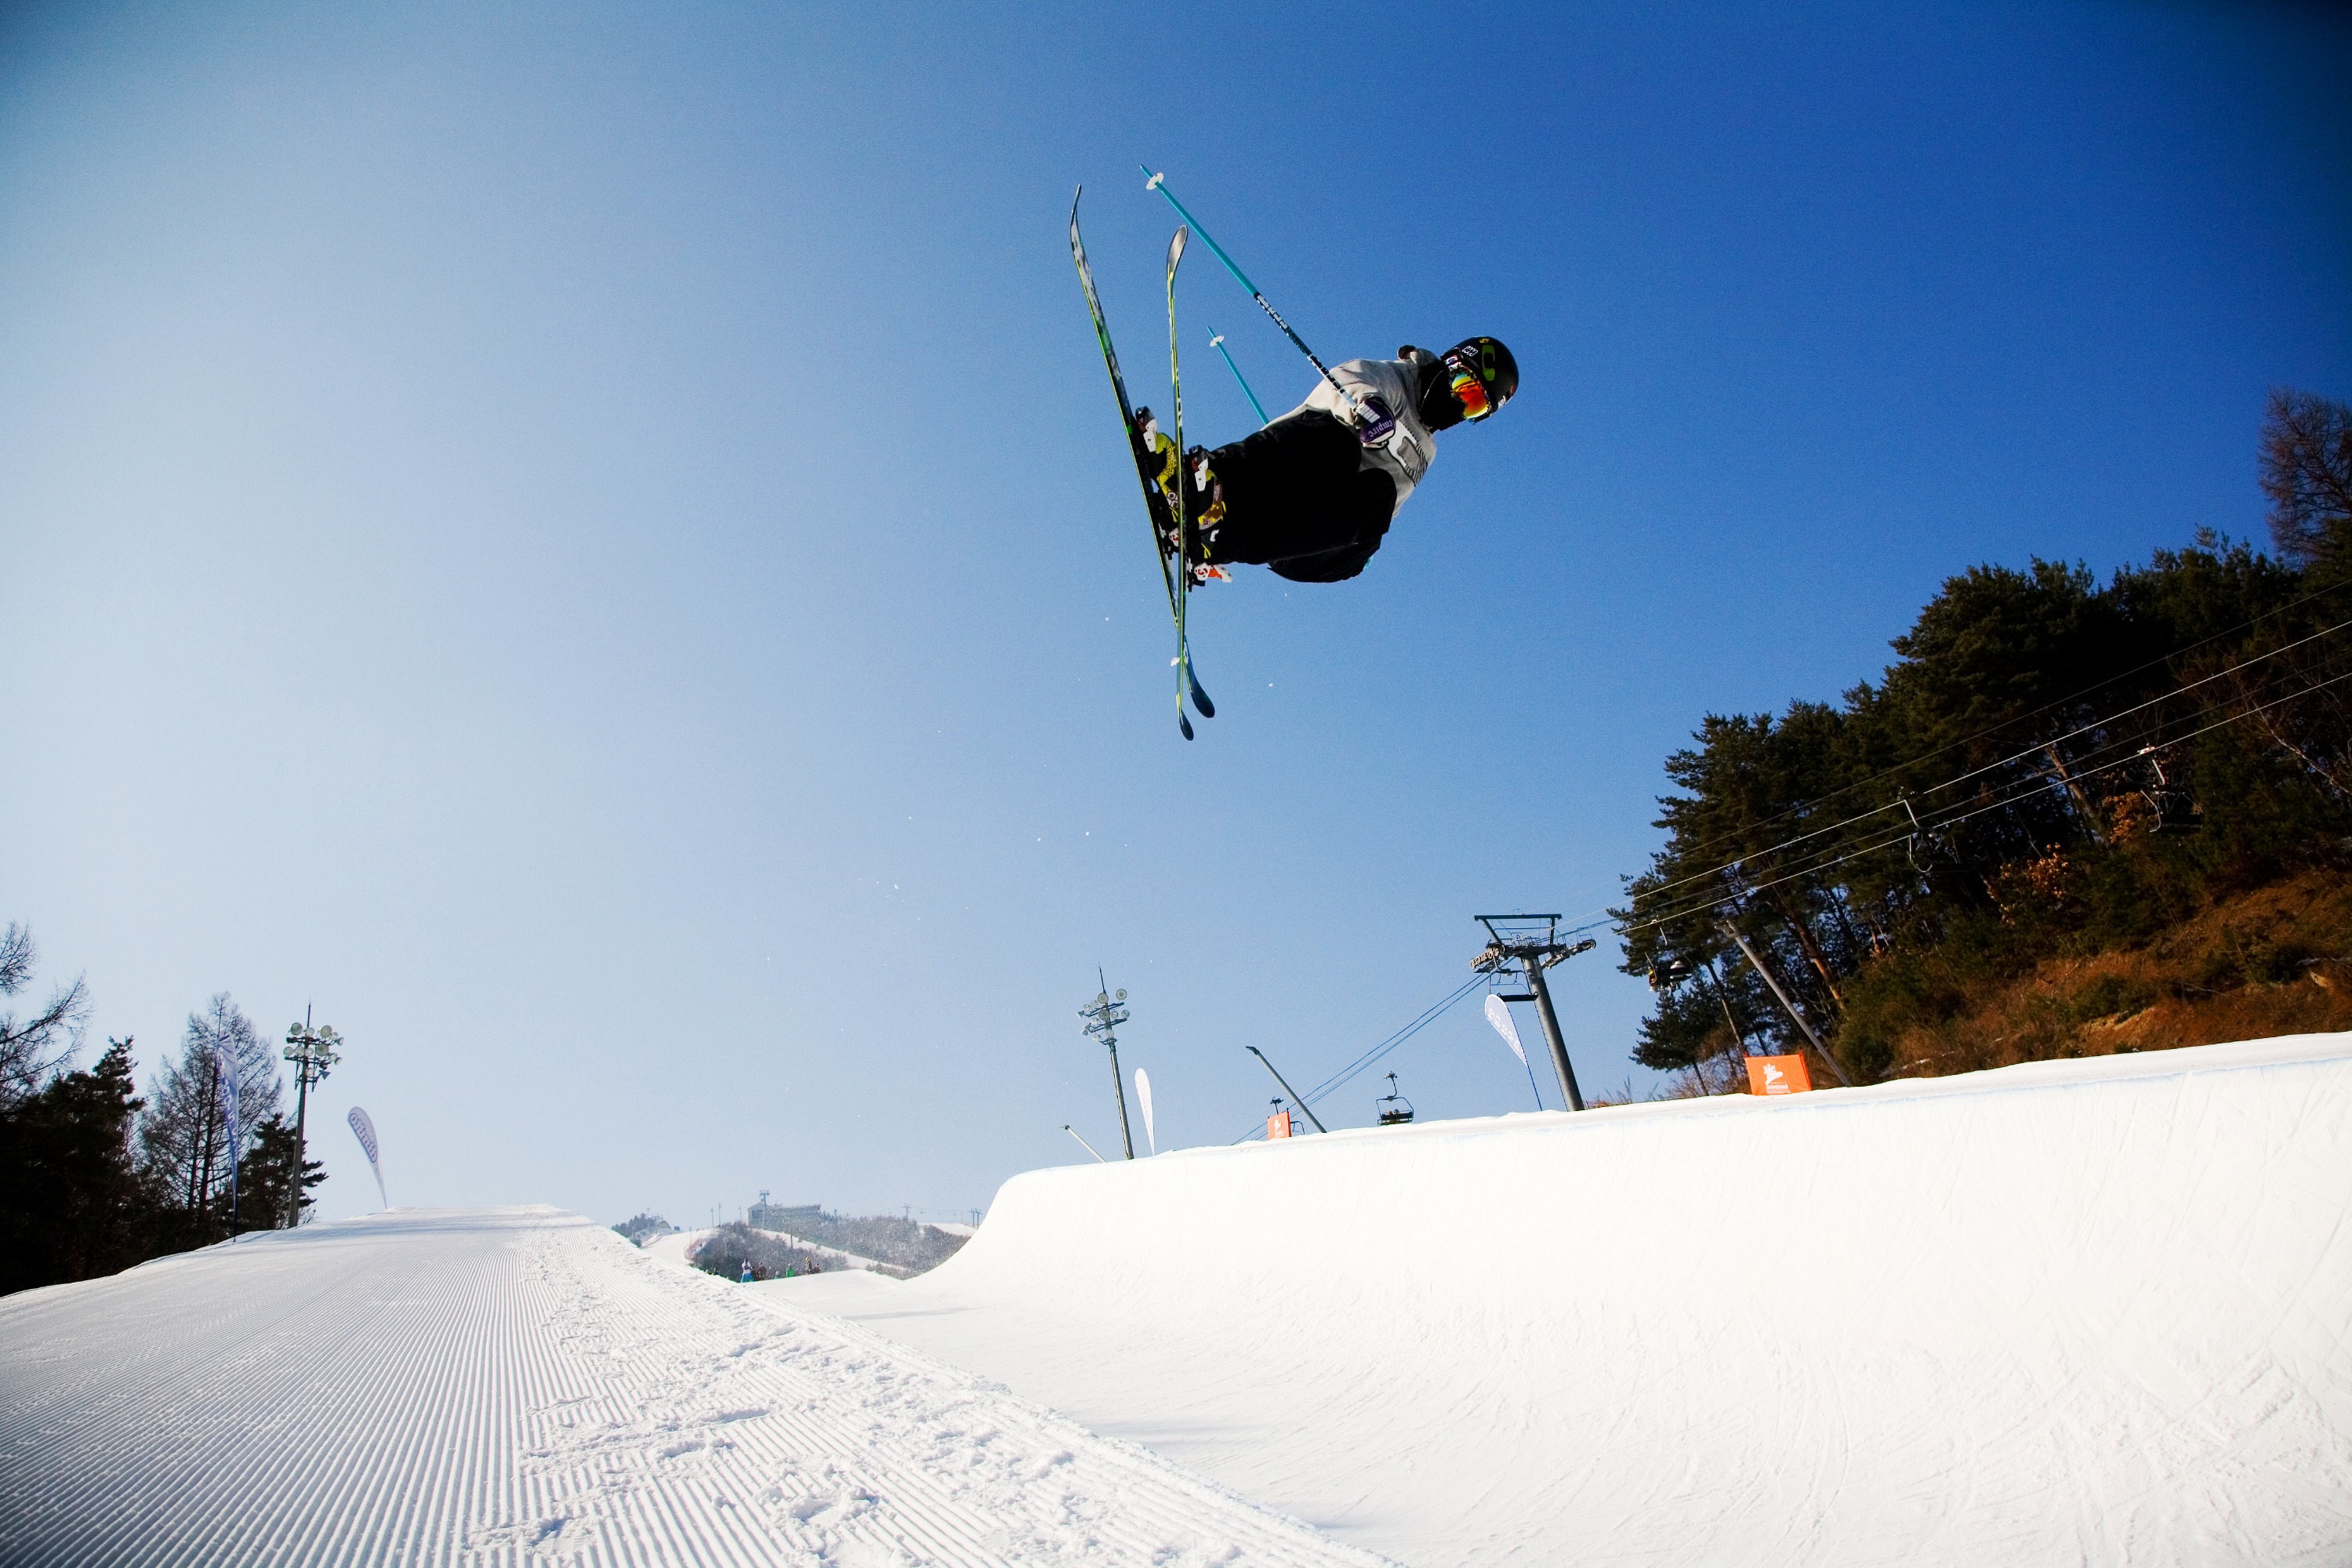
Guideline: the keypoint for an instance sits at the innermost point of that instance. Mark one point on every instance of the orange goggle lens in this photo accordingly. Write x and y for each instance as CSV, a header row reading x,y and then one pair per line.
x,y
1471,393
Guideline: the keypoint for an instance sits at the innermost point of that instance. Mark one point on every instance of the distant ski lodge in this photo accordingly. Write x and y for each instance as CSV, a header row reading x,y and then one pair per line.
x,y
787,1217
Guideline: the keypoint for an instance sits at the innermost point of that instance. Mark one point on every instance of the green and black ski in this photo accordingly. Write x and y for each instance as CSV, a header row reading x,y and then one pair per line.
x,y
1159,466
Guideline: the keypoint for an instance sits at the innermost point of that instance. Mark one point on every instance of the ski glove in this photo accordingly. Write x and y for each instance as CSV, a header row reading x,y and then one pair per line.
x,y
1374,423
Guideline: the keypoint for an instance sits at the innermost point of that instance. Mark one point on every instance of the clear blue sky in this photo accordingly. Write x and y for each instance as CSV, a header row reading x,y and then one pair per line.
x,y
592,542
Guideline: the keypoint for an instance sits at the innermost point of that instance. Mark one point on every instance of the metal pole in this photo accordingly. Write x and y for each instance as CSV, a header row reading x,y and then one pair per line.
x,y
1103,1016
1120,1089
1217,341
1738,1035
1082,1142
1159,183
1724,996
1534,964
1297,1097
301,1114
1736,934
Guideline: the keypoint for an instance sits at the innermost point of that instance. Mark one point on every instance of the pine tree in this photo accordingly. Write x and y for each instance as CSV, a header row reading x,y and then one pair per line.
x,y
2051,766
269,1176
69,1198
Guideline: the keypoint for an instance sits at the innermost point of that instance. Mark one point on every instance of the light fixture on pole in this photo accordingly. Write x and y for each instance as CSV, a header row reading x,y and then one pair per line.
x,y
1106,1013
313,1052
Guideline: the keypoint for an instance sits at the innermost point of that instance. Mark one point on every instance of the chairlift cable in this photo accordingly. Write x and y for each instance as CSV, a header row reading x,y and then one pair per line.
x,y
1863,816
2056,702
2036,786
2011,796
1963,778
1340,1078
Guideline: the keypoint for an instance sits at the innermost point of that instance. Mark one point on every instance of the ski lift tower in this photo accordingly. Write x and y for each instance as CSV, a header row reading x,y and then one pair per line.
x,y
1104,1013
1531,944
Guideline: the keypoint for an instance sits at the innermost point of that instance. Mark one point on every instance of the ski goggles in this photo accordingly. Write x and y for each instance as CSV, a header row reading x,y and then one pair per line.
x,y
1470,385
1471,393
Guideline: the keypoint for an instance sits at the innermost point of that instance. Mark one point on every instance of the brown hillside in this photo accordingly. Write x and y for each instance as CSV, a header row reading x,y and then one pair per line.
x,y
2275,961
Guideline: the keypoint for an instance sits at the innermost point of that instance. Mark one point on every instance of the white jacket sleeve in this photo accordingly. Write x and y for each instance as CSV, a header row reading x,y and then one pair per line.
x,y
1407,453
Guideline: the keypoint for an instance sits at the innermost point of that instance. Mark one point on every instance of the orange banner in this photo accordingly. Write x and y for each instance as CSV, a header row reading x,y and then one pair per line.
x,y
1278,1125
1778,1075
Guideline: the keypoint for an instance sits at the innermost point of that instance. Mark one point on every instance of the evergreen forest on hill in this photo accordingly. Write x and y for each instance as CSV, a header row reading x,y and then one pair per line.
x,y
2073,817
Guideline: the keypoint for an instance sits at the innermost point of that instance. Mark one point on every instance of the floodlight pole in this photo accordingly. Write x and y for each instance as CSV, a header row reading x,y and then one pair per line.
x,y
1119,1090
1106,1014
313,1052
1534,954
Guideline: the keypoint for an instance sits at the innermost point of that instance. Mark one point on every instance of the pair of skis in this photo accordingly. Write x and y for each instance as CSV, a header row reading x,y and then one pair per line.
x,y
1159,466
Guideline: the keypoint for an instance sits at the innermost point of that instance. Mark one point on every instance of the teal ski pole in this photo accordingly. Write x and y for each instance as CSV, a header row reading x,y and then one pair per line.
x,y
1159,183
1217,341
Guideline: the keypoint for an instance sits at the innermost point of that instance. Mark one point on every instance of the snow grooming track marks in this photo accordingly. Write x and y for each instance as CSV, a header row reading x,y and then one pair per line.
x,y
2092,1312
519,1386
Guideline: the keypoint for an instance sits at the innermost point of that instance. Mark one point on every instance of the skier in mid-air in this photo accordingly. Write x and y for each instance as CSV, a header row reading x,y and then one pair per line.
x,y
1312,494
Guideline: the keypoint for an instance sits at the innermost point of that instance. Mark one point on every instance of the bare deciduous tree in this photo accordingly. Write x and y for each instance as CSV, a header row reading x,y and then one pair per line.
x,y
30,1050
185,1138
2306,468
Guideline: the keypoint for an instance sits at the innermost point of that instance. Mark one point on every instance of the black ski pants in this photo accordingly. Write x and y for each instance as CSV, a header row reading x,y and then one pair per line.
x,y
1301,498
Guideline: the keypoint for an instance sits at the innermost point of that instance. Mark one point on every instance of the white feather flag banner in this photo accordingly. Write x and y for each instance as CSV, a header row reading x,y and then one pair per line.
x,y
224,1073
365,1131
1498,1013
1143,1096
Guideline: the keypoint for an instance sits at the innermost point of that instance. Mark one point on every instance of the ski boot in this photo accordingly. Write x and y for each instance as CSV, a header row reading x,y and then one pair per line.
x,y
1160,466
1205,500
1204,509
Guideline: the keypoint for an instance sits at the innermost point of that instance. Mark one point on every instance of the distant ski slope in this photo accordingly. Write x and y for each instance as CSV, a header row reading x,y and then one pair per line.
x,y
679,1247
2095,1312
518,1386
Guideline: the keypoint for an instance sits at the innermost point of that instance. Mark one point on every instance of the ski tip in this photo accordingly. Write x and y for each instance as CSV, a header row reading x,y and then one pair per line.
x,y
1184,724
1201,701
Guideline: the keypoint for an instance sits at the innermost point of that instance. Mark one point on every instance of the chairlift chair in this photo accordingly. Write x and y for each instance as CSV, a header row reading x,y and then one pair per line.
x,y
1927,848
1395,1109
2176,809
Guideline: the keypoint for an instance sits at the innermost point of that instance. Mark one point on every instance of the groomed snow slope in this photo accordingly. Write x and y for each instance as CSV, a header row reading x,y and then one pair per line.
x,y
2092,1312
518,1385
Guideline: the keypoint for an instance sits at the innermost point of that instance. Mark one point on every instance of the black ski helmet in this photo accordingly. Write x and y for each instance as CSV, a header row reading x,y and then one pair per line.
x,y
1488,361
